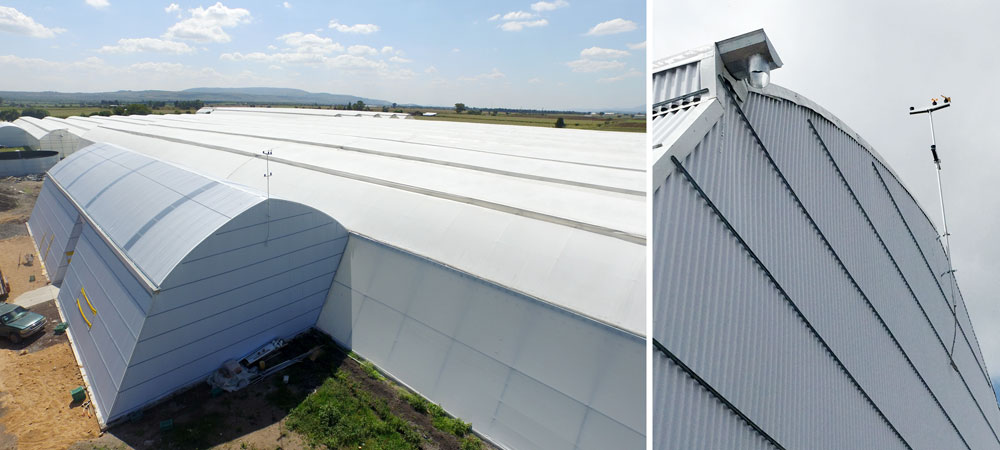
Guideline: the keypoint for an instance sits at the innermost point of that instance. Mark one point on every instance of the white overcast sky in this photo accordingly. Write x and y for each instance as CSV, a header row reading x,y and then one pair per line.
x,y
867,62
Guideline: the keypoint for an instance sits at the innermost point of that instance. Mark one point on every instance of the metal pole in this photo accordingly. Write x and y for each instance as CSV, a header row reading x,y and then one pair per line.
x,y
947,242
267,177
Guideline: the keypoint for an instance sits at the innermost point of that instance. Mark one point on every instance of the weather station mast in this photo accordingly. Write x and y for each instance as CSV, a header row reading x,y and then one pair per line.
x,y
936,106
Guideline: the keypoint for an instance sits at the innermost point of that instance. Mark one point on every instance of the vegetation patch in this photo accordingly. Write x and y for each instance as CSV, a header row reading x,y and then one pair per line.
x,y
340,413
372,372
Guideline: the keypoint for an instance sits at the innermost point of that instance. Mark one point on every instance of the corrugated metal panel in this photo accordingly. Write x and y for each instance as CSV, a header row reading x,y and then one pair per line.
x,y
797,151
695,418
832,263
716,309
526,374
675,82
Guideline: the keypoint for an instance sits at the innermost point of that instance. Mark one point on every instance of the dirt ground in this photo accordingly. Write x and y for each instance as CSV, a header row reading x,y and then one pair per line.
x,y
13,250
17,199
36,377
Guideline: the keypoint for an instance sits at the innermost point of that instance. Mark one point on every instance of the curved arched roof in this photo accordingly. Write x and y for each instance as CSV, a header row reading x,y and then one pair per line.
x,y
177,209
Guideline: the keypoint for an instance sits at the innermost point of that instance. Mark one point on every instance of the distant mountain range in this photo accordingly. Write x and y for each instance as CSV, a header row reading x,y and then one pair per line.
x,y
260,95
229,95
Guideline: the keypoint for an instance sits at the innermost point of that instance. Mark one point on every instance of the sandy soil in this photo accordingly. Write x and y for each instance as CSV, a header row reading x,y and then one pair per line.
x,y
37,410
22,193
12,250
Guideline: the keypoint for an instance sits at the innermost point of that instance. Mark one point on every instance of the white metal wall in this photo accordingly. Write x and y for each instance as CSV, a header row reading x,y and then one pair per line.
x,y
526,374
121,302
233,293
51,224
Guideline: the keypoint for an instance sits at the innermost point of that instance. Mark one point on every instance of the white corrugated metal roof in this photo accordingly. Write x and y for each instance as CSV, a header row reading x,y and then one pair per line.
x,y
552,213
174,211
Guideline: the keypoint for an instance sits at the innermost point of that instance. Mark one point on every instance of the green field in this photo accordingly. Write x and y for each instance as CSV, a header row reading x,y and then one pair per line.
x,y
67,111
616,122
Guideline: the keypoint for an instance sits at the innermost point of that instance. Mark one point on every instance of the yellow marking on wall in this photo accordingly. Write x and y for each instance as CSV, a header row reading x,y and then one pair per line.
x,y
49,247
89,325
94,311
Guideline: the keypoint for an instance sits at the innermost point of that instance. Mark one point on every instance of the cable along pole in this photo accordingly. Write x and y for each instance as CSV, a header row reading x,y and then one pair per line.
x,y
946,102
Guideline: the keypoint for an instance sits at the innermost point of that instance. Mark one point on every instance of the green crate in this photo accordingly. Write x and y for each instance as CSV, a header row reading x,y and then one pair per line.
x,y
60,328
78,394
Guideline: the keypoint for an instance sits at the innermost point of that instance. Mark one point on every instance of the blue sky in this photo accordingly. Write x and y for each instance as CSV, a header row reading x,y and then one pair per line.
x,y
539,54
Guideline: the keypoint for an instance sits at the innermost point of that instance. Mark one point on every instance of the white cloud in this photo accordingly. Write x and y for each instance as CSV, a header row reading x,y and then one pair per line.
x,y
171,8
400,60
361,50
495,17
535,80
206,24
147,45
602,53
309,43
632,73
520,25
361,28
612,26
14,21
430,69
274,67
162,67
287,5
284,58
491,75
637,46
549,6
456,50
99,4
590,65
272,47
518,15
390,50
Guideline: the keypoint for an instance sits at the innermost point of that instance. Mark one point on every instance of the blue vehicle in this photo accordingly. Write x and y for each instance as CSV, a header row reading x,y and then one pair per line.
x,y
17,323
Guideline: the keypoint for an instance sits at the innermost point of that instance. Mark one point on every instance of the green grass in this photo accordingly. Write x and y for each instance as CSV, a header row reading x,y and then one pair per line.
x,y
340,413
372,372
14,149
439,417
